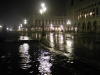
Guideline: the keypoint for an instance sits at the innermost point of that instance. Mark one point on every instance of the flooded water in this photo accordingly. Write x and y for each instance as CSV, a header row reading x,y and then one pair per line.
x,y
61,59
75,45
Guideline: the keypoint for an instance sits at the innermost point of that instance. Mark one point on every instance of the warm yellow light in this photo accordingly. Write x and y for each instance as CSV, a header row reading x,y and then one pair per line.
x,y
80,16
90,13
85,15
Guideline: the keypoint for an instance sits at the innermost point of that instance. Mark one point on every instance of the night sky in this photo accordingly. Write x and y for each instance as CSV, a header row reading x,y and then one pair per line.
x,y
13,12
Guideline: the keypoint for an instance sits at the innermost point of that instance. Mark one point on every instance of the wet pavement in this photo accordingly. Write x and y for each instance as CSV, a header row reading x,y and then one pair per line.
x,y
69,54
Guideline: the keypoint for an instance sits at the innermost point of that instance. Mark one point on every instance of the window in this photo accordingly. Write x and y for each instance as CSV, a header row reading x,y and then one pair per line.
x,y
93,11
97,12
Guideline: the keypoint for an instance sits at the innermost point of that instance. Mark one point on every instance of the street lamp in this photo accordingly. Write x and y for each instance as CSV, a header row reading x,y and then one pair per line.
x,y
25,22
20,25
42,11
68,23
25,26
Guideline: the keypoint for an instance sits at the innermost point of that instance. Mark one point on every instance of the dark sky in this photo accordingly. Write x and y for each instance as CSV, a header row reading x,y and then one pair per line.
x,y
13,12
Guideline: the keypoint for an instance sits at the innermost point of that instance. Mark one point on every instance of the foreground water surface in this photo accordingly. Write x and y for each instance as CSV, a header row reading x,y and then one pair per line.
x,y
64,57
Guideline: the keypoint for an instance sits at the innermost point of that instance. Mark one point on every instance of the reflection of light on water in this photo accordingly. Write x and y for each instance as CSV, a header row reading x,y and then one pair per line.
x,y
51,37
69,43
61,39
45,65
51,40
69,48
72,37
23,50
36,36
68,35
56,38
24,38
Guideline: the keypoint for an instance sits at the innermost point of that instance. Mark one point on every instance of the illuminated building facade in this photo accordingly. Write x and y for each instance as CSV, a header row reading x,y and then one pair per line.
x,y
51,22
84,15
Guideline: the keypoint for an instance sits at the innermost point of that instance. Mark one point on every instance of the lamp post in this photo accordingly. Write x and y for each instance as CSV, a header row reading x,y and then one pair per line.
x,y
25,22
68,23
21,28
42,11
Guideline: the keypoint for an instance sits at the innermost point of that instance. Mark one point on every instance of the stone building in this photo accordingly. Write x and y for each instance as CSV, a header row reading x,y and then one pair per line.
x,y
84,15
51,22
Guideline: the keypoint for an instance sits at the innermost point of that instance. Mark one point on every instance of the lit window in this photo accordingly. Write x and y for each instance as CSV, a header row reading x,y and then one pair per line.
x,y
85,15
90,13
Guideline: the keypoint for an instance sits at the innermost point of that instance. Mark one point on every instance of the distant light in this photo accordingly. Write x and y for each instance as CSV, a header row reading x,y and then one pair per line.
x,y
26,29
61,27
43,5
85,15
7,28
80,16
90,13
68,22
10,29
43,9
20,25
25,22
0,26
19,28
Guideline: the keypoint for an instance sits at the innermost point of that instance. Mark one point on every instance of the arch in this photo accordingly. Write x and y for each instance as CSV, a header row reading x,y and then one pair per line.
x,y
78,27
94,26
83,27
93,12
89,27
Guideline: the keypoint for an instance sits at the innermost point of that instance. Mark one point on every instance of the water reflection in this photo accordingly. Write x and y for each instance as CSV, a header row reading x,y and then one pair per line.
x,y
45,65
61,42
57,41
24,38
61,39
56,37
69,43
52,39
25,57
36,35
69,49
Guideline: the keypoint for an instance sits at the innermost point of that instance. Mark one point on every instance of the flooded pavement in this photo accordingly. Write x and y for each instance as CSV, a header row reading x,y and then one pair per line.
x,y
67,56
